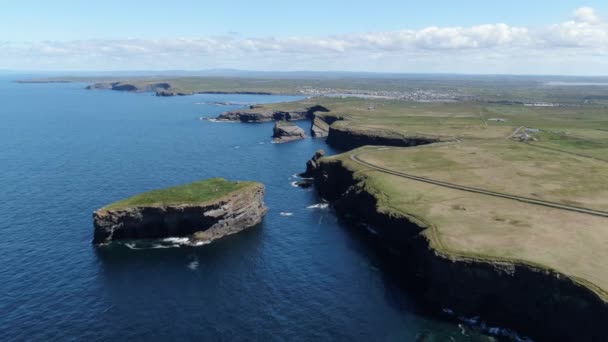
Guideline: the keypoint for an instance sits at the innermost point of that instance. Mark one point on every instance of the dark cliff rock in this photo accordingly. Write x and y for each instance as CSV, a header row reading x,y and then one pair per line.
x,y
312,166
228,215
254,114
348,138
539,303
285,131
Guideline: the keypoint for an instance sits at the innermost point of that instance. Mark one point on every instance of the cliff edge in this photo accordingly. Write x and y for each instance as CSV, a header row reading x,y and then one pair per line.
x,y
202,211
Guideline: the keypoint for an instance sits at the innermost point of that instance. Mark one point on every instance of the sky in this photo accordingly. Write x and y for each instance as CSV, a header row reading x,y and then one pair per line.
x,y
432,36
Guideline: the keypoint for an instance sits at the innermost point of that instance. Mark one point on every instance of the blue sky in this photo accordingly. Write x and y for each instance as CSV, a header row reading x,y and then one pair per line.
x,y
112,19
381,35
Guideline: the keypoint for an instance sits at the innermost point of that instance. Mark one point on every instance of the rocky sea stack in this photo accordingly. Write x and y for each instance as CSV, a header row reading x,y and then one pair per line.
x,y
202,211
285,131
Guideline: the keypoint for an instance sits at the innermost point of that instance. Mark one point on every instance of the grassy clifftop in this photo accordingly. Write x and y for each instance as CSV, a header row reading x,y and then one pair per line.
x,y
194,193
493,228
556,154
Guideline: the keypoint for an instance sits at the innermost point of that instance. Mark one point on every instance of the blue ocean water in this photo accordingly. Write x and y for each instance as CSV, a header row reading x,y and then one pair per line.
x,y
65,152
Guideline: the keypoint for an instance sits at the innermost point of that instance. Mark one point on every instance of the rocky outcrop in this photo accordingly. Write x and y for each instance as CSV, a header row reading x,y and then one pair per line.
x,y
319,129
312,166
257,114
286,131
230,214
538,303
350,137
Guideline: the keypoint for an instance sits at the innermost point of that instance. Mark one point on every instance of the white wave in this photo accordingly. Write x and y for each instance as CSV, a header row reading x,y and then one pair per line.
x,y
164,246
193,265
218,120
283,213
476,322
177,240
131,246
261,143
200,243
319,206
294,184
370,229
237,147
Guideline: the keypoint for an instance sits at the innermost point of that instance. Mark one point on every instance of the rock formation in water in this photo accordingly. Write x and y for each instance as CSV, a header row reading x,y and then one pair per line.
x,y
258,114
229,214
286,131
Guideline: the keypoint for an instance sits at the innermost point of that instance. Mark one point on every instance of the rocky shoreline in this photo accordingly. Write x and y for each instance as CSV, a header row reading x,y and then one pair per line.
x,y
206,222
540,303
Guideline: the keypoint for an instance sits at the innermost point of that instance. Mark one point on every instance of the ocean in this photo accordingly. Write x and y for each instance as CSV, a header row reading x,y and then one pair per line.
x,y
302,275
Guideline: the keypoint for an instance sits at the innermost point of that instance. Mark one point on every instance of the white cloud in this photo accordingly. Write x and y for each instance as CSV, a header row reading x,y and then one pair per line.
x,y
483,48
585,15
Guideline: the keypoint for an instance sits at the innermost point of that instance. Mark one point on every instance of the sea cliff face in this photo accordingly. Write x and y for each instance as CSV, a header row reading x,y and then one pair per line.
x,y
228,215
349,137
320,124
539,303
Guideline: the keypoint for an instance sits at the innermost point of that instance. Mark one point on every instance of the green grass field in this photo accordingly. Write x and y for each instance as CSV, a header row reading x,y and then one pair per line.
x,y
567,164
194,193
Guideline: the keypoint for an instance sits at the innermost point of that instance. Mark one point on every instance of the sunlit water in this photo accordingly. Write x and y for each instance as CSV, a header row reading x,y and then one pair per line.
x,y
301,275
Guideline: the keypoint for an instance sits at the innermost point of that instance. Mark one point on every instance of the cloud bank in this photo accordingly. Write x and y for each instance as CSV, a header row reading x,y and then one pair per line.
x,y
576,46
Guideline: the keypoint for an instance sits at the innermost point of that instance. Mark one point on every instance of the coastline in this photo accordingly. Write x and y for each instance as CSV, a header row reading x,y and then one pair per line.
x,y
532,299
572,304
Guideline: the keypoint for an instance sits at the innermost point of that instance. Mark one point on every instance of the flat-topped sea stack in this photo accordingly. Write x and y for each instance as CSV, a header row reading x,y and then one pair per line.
x,y
202,211
285,131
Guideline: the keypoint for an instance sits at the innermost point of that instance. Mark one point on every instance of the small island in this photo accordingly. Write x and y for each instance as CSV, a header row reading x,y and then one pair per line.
x,y
202,211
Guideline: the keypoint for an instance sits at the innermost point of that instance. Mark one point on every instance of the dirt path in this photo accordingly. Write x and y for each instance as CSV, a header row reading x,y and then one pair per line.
x,y
355,157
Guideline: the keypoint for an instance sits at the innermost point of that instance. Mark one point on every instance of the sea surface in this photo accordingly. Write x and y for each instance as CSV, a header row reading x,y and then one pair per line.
x,y
299,276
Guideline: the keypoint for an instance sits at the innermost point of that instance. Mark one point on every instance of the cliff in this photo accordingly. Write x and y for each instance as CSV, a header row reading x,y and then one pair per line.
x,y
320,124
349,136
535,301
259,114
285,131
312,166
202,211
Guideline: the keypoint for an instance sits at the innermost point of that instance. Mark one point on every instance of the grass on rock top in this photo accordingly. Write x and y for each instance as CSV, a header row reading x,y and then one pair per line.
x,y
193,193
